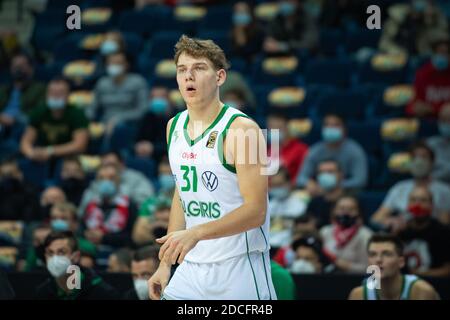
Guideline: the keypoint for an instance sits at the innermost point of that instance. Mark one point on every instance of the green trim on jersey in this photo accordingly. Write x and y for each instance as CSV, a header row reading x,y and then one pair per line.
x,y
408,296
222,138
251,266
265,273
218,118
172,128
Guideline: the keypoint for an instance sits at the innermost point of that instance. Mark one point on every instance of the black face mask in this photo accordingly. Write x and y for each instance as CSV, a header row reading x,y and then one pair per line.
x,y
9,184
19,75
346,220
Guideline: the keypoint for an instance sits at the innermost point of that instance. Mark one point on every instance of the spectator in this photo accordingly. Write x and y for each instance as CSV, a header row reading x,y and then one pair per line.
x,y
34,258
329,179
283,282
50,197
18,200
247,35
440,145
292,29
342,14
335,145
22,95
345,240
120,95
61,252
143,266
148,229
386,252
283,208
120,261
112,43
235,98
73,179
412,27
132,183
151,139
292,151
109,218
56,129
236,82
308,256
427,240
392,214
432,83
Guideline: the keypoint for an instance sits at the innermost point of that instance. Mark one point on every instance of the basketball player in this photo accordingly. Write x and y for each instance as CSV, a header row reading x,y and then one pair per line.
x,y
386,252
218,225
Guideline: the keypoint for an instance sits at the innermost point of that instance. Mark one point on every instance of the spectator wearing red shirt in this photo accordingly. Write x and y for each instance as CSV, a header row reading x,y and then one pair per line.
x,y
432,83
291,150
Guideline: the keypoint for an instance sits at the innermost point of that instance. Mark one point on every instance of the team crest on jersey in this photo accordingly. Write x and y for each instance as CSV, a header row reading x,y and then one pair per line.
x,y
212,139
210,180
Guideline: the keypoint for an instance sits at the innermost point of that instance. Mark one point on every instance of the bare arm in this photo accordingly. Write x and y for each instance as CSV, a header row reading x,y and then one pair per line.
x,y
443,271
27,141
356,294
381,215
78,144
422,290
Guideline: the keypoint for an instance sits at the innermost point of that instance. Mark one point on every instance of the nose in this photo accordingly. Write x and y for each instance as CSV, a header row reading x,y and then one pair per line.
x,y
189,75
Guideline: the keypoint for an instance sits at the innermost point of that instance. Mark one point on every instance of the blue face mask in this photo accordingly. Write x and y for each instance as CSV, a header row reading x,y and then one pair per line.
x,y
327,181
287,8
242,19
279,192
166,182
439,61
444,129
56,103
109,47
107,188
59,225
331,134
159,105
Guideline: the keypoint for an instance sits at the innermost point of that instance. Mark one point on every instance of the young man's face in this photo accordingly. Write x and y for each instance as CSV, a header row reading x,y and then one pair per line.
x,y
65,215
59,247
198,81
385,256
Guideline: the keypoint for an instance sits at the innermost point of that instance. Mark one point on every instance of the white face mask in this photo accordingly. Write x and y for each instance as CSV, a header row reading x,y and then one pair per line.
x,y
115,70
141,288
303,266
57,265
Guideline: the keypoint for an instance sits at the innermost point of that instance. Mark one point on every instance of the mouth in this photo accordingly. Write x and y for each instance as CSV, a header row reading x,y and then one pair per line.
x,y
190,88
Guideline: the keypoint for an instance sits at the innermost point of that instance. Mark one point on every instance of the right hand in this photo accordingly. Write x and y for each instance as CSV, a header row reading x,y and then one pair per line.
x,y
158,282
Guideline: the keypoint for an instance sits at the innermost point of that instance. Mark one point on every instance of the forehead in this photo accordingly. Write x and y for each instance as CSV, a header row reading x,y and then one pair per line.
x,y
306,251
382,246
347,202
107,171
187,60
328,165
59,244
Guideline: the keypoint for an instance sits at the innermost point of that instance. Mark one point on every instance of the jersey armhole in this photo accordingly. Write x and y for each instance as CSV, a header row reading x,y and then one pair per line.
x,y
222,137
172,128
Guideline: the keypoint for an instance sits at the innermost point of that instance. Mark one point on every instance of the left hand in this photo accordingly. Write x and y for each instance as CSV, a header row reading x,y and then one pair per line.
x,y
176,245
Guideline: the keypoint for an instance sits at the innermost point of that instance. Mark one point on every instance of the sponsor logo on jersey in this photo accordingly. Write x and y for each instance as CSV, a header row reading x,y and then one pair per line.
x,y
210,180
202,209
212,139
188,155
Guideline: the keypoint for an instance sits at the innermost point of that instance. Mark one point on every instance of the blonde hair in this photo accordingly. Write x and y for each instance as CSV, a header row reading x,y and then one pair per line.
x,y
198,48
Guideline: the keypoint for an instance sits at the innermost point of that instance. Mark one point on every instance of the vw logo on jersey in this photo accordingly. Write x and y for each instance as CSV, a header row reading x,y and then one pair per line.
x,y
210,180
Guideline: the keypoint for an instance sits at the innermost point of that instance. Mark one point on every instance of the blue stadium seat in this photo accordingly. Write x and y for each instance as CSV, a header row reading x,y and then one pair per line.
x,y
331,42
48,71
68,48
366,74
145,166
370,202
220,37
36,173
331,71
123,137
348,104
367,134
49,27
163,43
133,42
143,22
360,38
217,18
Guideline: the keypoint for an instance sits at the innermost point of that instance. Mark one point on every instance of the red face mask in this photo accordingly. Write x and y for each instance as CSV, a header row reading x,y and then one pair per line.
x,y
418,211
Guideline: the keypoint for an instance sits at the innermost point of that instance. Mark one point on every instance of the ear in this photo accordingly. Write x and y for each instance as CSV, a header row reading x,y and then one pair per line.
x,y
221,77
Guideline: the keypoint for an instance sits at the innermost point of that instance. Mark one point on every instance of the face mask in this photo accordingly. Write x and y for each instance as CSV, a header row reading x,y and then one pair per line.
x,y
141,288
444,129
327,181
241,19
279,192
159,105
439,61
166,182
303,266
286,8
109,47
346,220
331,134
420,167
55,103
114,70
419,211
72,184
107,188
19,75
57,265
419,5
60,225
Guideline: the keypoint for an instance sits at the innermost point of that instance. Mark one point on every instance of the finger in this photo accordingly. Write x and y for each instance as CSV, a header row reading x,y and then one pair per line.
x,y
169,252
183,254
163,249
176,253
163,239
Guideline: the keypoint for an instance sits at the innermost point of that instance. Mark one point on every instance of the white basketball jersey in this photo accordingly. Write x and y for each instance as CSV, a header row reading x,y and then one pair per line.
x,y
408,280
208,187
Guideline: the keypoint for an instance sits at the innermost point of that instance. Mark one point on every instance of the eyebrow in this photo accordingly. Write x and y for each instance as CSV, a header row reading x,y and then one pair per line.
x,y
195,64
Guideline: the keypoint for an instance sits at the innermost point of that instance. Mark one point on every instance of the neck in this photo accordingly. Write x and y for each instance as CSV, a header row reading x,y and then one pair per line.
x,y
119,79
423,181
205,115
391,287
